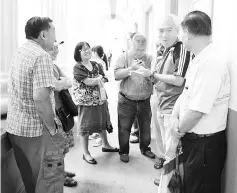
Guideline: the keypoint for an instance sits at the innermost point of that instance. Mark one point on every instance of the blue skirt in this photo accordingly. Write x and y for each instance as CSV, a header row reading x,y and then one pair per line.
x,y
93,119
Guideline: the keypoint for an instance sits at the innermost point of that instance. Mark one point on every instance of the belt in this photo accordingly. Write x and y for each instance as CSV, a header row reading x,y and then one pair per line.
x,y
123,95
199,136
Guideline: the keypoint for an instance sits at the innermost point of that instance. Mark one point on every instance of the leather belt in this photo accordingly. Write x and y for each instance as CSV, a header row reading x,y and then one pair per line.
x,y
198,136
123,95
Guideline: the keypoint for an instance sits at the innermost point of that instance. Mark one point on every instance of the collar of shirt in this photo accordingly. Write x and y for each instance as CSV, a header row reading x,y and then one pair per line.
x,y
173,45
203,54
36,44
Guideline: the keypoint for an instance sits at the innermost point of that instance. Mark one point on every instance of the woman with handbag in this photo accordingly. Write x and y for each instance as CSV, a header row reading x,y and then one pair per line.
x,y
61,82
91,100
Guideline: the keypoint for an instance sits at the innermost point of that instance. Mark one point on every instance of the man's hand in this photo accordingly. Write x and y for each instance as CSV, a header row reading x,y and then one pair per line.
x,y
174,128
143,71
65,83
135,65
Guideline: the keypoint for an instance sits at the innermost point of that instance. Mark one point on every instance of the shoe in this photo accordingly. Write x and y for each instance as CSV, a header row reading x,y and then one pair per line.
x,y
159,164
133,134
109,150
149,154
70,174
69,182
124,157
157,182
134,140
94,136
92,161
98,142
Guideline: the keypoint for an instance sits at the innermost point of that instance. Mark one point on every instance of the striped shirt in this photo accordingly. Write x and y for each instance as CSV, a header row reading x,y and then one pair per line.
x,y
175,61
31,69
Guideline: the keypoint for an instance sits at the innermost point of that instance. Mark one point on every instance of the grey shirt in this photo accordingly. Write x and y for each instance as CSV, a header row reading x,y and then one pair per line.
x,y
135,87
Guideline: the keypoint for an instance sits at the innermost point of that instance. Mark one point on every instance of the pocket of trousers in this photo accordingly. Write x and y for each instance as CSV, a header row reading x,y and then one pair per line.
x,y
53,169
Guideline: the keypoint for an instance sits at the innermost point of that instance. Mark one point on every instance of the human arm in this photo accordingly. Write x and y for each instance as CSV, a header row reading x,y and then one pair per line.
x,y
204,93
62,83
169,79
120,71
42,85
81,75
101,72
181,59
44,108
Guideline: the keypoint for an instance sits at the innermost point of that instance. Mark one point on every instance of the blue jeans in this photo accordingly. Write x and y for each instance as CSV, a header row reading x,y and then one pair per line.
x,y
127,111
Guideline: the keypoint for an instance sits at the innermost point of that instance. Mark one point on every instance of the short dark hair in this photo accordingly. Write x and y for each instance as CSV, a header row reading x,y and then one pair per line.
x,y
197,23
78,48
35,25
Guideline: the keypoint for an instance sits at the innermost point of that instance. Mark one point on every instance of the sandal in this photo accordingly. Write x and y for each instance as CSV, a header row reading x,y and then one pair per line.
x,y
69,182
159,163
91,161
70,174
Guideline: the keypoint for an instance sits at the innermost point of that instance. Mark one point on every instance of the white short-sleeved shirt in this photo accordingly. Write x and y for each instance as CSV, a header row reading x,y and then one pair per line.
x,y
207,90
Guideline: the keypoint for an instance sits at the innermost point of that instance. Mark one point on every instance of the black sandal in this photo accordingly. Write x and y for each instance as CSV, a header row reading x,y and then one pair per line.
x,y
70,174
92,161
159,164
69,182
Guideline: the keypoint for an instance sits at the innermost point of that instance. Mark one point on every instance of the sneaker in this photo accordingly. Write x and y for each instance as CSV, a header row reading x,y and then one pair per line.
x,y
136,140
157,182
149,154
124,157
94,136
98,142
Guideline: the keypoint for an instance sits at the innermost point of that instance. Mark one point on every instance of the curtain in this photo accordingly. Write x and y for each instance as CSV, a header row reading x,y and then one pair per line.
x,y
8,34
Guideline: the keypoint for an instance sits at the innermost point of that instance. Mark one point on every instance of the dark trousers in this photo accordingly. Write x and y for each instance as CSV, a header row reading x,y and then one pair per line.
x,y
204,160
127,111
40,161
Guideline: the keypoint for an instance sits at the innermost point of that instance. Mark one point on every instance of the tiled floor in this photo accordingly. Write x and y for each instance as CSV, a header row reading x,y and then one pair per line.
x,y
111,175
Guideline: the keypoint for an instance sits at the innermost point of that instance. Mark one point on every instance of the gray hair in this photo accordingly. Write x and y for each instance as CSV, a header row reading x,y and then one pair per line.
x,y
139,40
174,19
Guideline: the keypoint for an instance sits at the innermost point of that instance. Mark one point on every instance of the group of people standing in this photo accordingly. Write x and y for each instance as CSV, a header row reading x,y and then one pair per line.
x,y
189,79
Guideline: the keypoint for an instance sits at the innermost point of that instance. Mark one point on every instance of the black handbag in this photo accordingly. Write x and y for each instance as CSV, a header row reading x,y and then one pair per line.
x,y
68,103
66,119
176,184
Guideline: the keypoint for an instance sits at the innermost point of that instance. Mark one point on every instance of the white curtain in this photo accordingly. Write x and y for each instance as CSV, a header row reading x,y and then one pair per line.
x,y
8,32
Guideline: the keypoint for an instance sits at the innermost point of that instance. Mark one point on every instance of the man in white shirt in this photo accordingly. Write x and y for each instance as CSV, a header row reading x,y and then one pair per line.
x,y
202,108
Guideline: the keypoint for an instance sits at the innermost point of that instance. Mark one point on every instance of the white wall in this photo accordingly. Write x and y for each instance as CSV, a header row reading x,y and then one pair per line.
x,y
224,26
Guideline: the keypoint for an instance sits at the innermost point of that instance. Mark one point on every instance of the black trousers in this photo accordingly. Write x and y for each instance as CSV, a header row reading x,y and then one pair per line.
x,y
204,160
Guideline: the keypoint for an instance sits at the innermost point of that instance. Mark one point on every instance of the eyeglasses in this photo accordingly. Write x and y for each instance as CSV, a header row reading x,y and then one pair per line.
x,y
85,50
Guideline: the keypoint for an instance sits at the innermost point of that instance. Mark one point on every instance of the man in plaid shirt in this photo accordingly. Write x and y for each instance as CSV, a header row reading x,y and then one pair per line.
x,y
31,121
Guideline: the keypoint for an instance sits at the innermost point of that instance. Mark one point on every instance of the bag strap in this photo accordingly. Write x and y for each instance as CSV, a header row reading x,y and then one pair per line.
x,y
177,157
